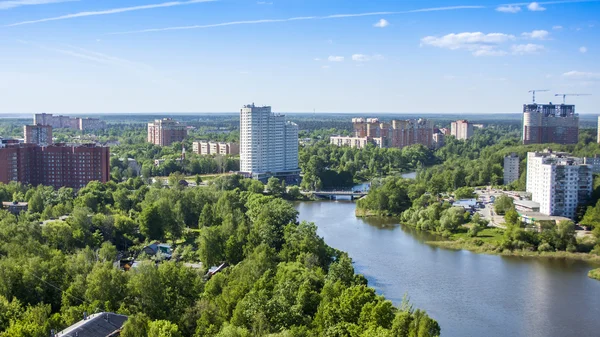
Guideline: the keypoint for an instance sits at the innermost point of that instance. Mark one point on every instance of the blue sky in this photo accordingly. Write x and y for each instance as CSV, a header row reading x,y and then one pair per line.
x,y
468,56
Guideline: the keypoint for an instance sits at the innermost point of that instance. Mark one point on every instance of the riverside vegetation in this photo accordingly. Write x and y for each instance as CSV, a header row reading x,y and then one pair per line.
x,y
464,165
282,279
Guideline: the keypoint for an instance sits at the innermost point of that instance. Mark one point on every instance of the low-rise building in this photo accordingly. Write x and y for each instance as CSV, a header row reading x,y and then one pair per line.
x,y
215,148
103,324
357,142
15,207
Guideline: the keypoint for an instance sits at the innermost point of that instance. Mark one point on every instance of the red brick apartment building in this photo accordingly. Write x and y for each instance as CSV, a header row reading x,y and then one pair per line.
x,y
164,132
56,165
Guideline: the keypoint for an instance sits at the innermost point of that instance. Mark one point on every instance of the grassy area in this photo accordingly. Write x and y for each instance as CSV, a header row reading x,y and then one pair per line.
x,y
206,177
488,235
491,247
595,274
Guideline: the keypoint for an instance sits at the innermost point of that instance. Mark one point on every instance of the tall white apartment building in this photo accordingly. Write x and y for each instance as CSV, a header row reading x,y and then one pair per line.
x,y
511,168
268,145
461,129
558,182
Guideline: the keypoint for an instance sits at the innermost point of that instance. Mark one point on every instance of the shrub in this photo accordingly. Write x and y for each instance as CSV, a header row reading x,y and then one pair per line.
x,y
545,247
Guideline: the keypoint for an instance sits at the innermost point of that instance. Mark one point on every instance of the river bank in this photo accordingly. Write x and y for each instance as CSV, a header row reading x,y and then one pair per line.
x,y
595,274
487,248
469,294
486,243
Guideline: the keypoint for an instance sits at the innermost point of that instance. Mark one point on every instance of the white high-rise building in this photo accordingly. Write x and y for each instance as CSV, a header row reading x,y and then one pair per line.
x,y
511,168
558,182
268,144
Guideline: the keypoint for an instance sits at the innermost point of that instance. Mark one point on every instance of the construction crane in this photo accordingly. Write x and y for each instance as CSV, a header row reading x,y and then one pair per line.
x,y
537,90
564,96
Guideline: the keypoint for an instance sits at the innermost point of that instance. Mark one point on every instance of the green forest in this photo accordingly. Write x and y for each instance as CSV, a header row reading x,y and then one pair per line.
x,y
282,279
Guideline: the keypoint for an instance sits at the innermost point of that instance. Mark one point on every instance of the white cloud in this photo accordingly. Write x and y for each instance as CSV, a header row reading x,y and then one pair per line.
x,y
583,50
366,58
264,3
557,27
317,59
110,11
325,67
581,75
530,48
489,51
536,35
535,7
382,23
360,58
18,3
335,59
509,9
478,43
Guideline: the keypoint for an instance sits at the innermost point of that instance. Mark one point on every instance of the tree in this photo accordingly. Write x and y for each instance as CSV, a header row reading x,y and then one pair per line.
x,y
107,252
275,187
294,193
36,203
136,326
198,180
502,204
163,328
151,225
464,193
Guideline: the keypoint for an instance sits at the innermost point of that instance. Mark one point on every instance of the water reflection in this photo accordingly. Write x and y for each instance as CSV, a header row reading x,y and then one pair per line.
x,y
469,294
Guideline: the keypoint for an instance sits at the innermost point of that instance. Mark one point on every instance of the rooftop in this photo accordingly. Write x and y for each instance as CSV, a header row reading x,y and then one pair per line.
x,y
103,324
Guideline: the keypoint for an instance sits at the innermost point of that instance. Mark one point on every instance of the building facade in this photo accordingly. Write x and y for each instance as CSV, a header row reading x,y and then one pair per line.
x,y
461,129
215,148
511,168
550,123
558,182
439,140
166,131
56,165
75,123
268,144
37,134
598,134
397,133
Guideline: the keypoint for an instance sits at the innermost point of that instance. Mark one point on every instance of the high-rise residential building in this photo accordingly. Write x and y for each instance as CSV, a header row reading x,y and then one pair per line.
x,y
397,133
511,168
550,123
166,131
598,134
558,182
75,123
56,165
215,148
38,134
461,129
268,145
439,139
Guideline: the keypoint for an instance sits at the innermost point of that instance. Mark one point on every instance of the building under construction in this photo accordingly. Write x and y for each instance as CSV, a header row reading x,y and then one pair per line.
x,y
550,123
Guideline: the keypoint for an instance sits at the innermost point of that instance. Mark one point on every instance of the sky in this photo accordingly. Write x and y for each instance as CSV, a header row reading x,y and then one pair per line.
x,y
375,56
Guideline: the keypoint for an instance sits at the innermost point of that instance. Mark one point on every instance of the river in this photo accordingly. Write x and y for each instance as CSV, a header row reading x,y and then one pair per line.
x,y
468,294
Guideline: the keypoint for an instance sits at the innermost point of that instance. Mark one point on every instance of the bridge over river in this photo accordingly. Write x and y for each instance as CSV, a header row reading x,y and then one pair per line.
x,y
334,194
